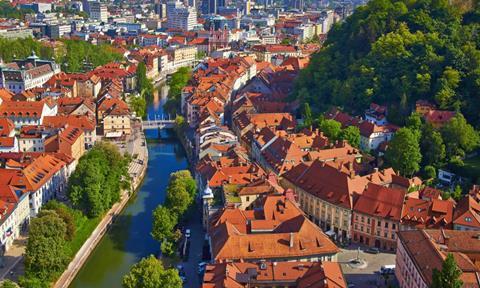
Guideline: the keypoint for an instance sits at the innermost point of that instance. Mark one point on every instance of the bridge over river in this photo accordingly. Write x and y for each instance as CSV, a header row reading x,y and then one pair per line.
x,y
158,122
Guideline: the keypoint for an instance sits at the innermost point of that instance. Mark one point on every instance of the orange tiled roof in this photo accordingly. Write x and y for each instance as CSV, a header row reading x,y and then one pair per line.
x,y
293,274
285,233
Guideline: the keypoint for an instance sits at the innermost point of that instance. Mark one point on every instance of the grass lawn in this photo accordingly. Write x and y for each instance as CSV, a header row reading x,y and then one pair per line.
x,y
85,227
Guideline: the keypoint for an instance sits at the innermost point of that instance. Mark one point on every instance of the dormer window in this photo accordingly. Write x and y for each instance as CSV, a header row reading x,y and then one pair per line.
x,y
468,219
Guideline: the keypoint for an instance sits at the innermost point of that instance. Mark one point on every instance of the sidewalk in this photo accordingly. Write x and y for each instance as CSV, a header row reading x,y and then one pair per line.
x,y
11,258
13,265
97,234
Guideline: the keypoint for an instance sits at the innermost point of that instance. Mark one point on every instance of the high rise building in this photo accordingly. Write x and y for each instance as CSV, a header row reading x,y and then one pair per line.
x,y
98,11
161,10
211,6
181,17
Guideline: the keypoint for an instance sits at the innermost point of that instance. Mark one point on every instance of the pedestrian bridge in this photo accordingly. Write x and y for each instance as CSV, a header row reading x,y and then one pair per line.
x,y
158,123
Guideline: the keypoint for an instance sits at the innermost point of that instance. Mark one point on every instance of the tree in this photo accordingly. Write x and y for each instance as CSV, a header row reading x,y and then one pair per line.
x,y
331,128
459,136
395,53
352,135
65,213
177,82
432,147
429,172
178,199
8,284
449,276
45,255
139,105
414,122
144,84
457,193
164,222
185,178
307,116
403,152
98,179
149,273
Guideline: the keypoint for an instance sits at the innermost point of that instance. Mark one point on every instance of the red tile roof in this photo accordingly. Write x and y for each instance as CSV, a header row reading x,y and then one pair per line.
x,y
380,201
293,274
285,233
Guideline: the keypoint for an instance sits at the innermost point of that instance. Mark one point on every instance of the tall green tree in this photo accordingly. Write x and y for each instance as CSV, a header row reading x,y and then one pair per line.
x,y
145,86
307,116
352,135
331,128
403,153
46,255
100,176
432,147
460,137
164,222
150,273
449,276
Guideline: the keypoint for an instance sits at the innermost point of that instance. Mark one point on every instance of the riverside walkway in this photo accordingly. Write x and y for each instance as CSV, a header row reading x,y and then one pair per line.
x,y
137,170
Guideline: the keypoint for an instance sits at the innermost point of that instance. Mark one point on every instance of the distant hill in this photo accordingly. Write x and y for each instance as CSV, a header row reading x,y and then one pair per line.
x,y
395,52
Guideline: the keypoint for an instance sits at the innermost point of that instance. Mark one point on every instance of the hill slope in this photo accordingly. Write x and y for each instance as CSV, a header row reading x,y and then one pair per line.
x,y
395,52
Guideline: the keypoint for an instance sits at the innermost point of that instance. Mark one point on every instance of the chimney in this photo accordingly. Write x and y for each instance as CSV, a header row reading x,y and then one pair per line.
x,y
291,240
445,237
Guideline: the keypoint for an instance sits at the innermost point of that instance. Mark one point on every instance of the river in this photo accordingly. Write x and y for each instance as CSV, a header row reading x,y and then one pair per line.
x,y
129,238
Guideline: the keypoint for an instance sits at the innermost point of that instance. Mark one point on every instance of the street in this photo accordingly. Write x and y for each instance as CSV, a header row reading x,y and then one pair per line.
x,y
195,255
366,276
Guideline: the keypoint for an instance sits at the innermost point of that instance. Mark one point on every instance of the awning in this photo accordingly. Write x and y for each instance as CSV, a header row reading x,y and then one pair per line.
x,y
330,233
113,135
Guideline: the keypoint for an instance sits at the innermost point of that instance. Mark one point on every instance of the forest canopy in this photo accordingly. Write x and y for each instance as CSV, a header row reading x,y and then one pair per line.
x,y
395,52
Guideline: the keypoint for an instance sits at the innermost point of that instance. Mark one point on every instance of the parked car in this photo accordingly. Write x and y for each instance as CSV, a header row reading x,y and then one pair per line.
x,y
373,250
201,267
387,269
184,279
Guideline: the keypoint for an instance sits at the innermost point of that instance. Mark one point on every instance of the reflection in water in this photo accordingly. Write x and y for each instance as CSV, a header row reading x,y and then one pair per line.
x,y
159,96
129,238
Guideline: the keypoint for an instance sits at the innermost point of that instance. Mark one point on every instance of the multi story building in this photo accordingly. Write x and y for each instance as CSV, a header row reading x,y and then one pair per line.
x,y
326,191
32,138
115,116
181,56
27,112
98,11
268,51
274,274
43,178
15,211
376,216
181,17
420,252
21,75
276,230
68,140
467,214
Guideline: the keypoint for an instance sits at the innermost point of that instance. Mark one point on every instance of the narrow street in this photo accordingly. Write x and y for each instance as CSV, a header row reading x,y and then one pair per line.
x,y
196,247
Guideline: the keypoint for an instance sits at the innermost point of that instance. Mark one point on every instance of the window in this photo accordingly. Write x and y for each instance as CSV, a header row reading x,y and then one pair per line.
x,y
385,234
468,219
379,223
248,198
368,220
363,219
393,226
386,224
